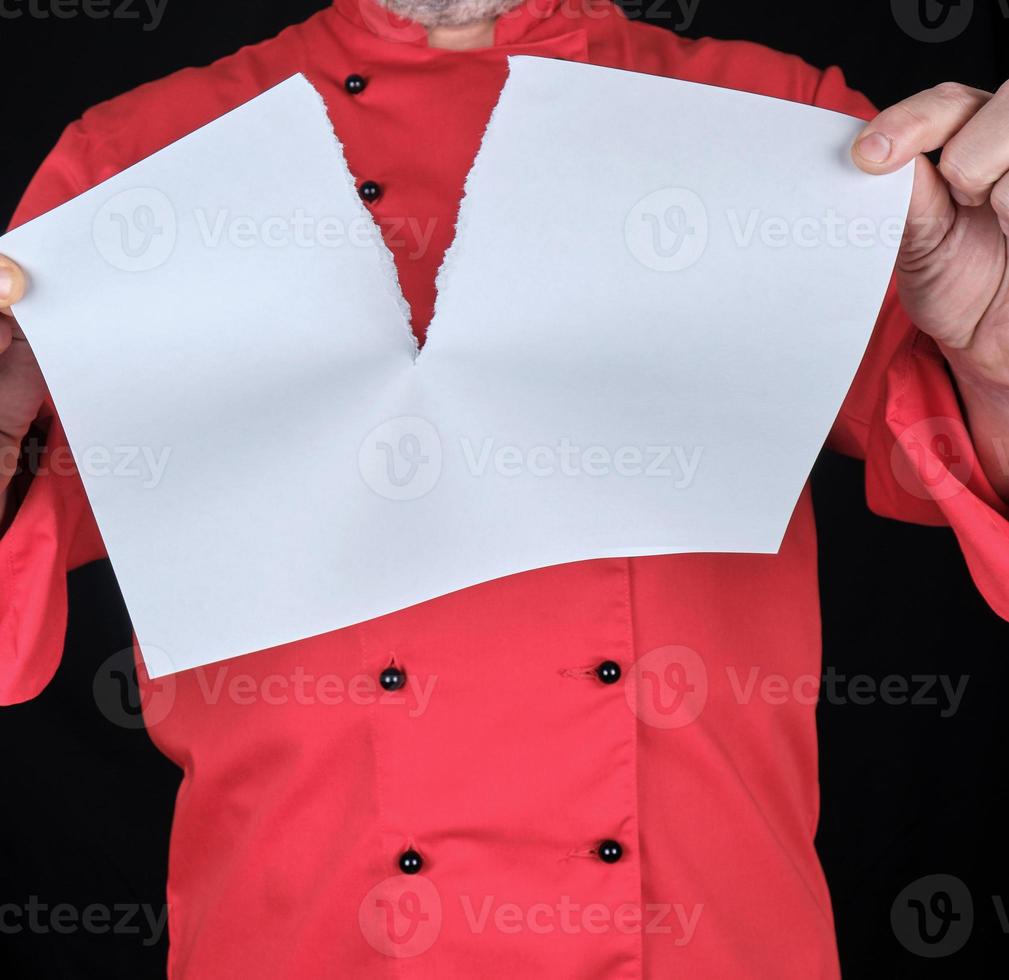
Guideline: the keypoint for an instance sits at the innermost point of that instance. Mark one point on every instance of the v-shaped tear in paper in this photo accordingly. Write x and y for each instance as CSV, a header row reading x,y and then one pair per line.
x,y
643,333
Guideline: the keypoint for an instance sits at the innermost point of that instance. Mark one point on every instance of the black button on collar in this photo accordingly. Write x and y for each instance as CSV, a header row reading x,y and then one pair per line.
x,y
410,862
355,84
370,191
392,678
610,851
608,672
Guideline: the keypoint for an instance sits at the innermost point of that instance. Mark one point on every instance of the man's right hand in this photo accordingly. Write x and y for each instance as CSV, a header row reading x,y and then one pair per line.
x,y
22,389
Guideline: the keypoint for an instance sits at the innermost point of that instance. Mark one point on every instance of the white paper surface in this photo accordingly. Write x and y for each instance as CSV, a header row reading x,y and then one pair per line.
x,y
657,298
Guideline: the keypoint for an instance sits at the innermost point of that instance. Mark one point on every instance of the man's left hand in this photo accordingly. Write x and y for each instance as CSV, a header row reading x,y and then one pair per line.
x,y
952,270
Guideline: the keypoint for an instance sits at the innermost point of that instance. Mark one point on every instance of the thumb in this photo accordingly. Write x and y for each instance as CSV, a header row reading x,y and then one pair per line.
x,y
13,283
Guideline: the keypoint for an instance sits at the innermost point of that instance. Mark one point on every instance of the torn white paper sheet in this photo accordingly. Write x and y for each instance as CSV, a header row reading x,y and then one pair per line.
x,y
657,298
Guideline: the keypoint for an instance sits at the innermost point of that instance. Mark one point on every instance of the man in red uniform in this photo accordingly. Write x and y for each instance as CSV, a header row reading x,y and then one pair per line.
x,y
563,773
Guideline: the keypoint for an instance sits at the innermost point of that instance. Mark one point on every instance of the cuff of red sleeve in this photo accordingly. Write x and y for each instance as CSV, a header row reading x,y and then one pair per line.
x,y
33,599
923,467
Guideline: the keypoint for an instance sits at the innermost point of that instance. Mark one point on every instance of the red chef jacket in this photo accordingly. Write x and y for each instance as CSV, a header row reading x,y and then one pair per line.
x,y
505,759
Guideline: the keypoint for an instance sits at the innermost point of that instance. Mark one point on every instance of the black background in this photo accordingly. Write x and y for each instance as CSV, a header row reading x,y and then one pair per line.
x,y
909,790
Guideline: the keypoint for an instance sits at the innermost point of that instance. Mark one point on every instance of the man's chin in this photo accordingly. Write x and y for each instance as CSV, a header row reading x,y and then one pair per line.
x,y
449,13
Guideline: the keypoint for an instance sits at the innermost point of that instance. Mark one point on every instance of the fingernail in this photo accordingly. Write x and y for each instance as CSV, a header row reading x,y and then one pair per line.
x,y
876,148
6,283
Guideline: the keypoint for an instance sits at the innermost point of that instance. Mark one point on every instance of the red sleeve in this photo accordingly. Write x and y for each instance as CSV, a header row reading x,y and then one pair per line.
x,y
903,417
53,530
